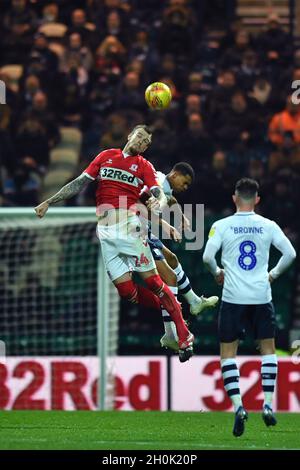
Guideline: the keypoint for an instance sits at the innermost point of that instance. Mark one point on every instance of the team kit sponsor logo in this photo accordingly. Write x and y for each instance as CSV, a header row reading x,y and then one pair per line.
x,y
122,176
141,383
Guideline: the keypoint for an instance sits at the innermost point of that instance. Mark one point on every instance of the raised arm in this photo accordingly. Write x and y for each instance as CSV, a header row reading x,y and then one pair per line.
x,y
67,191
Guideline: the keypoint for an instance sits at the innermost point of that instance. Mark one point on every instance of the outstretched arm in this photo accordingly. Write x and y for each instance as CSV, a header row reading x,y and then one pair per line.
x,y
67,191
185,223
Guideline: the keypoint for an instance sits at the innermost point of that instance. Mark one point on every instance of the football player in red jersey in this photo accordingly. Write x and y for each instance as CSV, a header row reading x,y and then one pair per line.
x,y
121,174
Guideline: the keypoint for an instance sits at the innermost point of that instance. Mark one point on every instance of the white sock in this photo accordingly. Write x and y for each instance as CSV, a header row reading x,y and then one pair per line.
x,y
231,377
170,328
268,377
184,285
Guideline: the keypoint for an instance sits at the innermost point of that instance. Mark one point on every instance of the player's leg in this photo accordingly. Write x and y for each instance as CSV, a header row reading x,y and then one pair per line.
x,y
138,254
230,372
134,293
230,328
170,303
265,331
197,304
119,270
170,338
268,377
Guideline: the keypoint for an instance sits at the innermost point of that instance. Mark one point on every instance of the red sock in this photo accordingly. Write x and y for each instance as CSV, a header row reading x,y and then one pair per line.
x,y
169,302
146,298
138,294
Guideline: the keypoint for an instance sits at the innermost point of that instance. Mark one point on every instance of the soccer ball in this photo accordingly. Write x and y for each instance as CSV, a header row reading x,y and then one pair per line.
x,y
158,95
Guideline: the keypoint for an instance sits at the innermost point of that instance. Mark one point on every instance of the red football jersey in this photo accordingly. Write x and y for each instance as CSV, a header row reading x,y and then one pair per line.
x,y
119,176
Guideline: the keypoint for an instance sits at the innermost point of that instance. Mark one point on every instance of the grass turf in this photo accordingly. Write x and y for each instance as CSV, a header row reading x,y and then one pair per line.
x,y
48,430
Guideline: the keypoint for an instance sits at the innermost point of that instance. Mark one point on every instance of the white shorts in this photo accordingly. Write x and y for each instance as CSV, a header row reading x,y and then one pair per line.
x,y
124,248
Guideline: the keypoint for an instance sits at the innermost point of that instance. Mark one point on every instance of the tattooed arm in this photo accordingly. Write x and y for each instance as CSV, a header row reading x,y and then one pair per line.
x,y
67,191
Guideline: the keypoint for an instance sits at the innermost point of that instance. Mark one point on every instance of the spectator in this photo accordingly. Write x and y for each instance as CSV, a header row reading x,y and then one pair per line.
x,y
110,58
286,121
8,162
195,83
115,28
116,134
176,33
130,94
237,127
45,61
140,46
286,155
21,188
164,147
275,43
32,85
192,104
32,146
248,71
46,118
281,203
76,51
79,26
265,100
195,144
220,177
19,23
102,9
219,98
233,56
50,14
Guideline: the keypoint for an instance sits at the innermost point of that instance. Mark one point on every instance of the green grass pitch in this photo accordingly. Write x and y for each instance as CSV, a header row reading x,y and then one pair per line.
x,y
48,430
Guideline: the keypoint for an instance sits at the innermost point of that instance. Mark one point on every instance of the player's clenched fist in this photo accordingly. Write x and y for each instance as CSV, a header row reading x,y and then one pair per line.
x,y
152,204
41,209
219,277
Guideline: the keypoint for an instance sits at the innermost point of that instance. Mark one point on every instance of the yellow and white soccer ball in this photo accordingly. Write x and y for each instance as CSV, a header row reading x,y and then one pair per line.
x,y
158,95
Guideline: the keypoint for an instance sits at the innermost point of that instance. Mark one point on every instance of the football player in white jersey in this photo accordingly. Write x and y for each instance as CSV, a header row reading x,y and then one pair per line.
x,y
178,180
245,239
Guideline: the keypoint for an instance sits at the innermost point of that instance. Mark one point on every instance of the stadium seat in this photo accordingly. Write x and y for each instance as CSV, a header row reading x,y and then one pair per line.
x,y
57,177
53,30
58,157
57,48
70,134
14,72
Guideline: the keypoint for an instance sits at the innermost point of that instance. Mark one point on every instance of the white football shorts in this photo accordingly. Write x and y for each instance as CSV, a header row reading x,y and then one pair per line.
x,y
125,248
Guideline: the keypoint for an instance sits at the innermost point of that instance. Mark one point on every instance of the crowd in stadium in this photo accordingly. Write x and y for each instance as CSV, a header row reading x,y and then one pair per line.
x,y
231,115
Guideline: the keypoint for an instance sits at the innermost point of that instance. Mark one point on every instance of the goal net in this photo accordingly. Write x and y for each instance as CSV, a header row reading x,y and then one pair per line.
x,y
59,312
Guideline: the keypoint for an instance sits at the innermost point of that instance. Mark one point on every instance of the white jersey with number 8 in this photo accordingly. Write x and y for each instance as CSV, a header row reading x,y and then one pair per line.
x,y
245,239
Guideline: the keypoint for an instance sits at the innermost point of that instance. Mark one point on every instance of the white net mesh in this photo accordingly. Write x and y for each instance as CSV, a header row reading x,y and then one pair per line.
x,y
49,285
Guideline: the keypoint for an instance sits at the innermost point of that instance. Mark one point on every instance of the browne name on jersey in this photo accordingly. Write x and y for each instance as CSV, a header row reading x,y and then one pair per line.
x,y
253,230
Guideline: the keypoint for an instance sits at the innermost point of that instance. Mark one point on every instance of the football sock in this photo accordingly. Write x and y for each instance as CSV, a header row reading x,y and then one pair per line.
x,y
169,325
170,303
138,295
231,377
268,377
156,295
184,285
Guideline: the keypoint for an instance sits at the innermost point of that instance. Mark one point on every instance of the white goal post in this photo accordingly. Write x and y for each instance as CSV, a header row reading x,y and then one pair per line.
x,y
56,298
